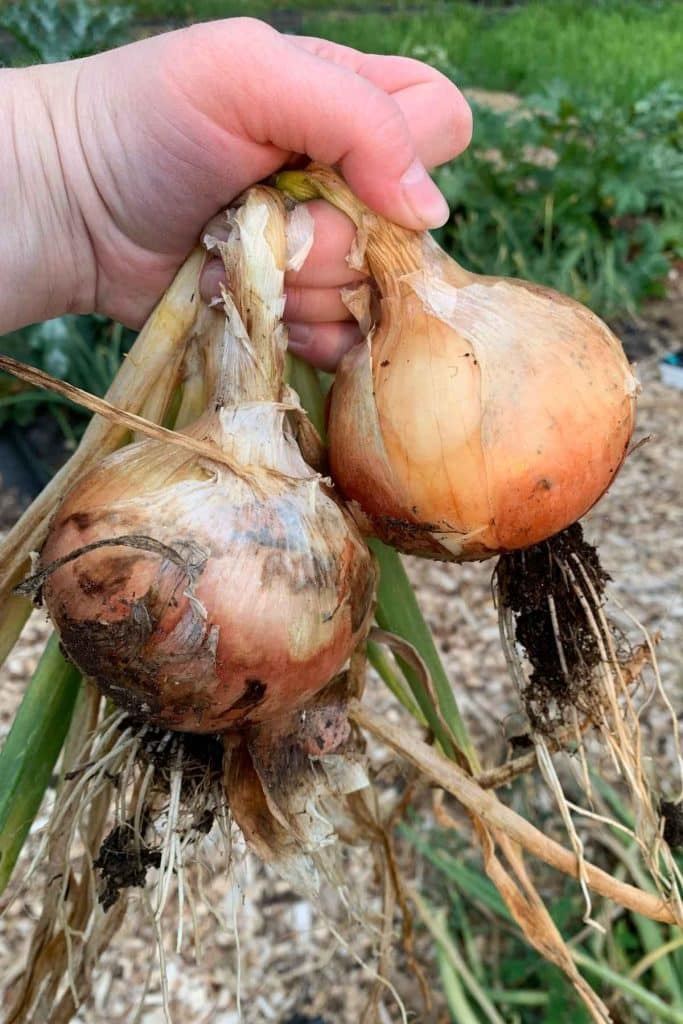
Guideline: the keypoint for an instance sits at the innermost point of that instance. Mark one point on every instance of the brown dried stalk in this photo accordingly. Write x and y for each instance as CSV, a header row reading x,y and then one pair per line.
x,y
485,805
58,948
530,912
365,811
509,875
114,414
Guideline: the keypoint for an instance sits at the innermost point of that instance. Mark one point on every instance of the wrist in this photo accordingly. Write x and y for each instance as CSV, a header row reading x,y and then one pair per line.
x,y
46,262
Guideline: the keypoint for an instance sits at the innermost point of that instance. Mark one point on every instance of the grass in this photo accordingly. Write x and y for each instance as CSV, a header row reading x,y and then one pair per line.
x,y
616,49
620,49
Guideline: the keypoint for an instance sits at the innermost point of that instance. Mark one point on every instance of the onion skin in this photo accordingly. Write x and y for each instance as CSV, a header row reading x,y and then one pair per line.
x,y
483,414
514,435
278,606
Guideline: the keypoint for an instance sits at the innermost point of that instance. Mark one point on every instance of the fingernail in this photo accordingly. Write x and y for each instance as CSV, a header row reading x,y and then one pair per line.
x,y
423,197
300,335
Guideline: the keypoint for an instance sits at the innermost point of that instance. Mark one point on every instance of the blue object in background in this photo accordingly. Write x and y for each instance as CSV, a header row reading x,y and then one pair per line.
x,y
671,369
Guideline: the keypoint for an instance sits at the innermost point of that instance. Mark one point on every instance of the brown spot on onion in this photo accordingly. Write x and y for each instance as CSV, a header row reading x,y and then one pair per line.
x,y
254,693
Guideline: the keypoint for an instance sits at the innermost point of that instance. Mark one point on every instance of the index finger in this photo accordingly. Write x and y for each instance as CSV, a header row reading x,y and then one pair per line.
x,y
439,116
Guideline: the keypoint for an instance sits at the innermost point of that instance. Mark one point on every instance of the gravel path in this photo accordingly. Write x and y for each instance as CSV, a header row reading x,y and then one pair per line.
x,y
289,961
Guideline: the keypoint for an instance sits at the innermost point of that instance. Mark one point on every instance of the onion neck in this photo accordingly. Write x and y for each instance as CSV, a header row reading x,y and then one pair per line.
x,y
244,358
391,251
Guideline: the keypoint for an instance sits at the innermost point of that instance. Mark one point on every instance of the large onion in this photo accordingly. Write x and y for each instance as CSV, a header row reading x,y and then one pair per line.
x,y
482,414
199,595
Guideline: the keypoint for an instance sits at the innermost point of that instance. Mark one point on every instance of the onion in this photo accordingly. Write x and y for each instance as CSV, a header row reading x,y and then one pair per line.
x,y
482,414
197,593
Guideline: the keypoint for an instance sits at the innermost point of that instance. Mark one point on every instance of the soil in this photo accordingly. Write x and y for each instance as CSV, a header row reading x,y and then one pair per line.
x,y
563,650
266,952
123,864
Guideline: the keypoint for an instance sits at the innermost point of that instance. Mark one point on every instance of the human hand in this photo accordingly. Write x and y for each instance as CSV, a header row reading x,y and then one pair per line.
x,y
124,156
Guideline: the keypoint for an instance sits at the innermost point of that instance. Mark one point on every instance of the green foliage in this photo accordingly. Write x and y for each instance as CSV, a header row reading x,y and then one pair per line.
x,y
84,350
584,197
614,48
198,10
47,31
29,754
524,987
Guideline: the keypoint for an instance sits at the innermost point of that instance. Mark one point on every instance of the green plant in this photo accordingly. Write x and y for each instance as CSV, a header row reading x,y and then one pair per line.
x,y
84,350
47,31
618,49
584,196
483,960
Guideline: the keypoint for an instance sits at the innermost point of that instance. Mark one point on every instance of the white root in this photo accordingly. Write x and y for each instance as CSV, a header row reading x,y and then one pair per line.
x,y
609,706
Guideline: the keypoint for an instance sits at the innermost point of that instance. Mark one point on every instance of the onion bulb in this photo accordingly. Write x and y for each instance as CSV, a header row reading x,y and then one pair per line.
x,y
482,414
199,594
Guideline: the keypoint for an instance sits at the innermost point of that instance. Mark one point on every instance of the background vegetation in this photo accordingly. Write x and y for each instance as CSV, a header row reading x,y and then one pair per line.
x,y
580,186
578,183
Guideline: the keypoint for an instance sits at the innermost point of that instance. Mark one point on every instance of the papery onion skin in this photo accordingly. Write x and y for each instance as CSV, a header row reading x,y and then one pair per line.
x,y
484,414
279,604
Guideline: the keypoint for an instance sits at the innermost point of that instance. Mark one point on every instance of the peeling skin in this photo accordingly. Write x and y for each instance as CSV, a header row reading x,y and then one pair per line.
x,y
363,469
282,598
280,776
283,591
300,233
129,621
256,586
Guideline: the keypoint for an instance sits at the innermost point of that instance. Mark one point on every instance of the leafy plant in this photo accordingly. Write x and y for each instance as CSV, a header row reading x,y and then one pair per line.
x,y
47,31
584,196
84,350
613,48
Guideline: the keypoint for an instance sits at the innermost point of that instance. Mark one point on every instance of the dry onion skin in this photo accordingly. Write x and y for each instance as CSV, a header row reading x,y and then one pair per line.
x,y
199,594
482,414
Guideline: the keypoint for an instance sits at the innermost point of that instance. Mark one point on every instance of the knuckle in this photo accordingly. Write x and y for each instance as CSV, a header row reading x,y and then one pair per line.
x,y
384,123
456,116
325,50
294,303
220,38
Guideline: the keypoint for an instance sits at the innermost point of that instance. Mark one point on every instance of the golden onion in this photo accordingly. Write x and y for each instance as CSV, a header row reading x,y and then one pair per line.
x,y
481,414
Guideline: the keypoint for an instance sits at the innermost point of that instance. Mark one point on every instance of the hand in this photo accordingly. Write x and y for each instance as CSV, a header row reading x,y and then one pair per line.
x,y
123,157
